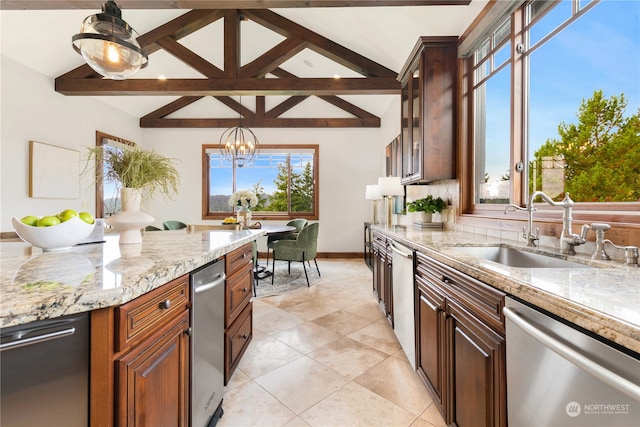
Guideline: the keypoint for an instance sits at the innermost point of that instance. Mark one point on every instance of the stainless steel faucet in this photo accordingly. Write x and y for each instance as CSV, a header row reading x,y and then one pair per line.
x,y
630,252
568,240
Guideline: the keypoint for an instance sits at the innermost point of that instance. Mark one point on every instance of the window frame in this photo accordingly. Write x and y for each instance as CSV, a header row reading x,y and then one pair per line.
x,y
624,217
103,138
314,215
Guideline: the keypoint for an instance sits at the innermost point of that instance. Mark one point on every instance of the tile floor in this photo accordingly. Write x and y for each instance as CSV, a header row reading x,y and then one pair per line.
x,y
325,356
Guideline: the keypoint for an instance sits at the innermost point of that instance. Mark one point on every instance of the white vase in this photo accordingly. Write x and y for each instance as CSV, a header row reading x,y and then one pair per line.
x,y
425,217
244,216
130,221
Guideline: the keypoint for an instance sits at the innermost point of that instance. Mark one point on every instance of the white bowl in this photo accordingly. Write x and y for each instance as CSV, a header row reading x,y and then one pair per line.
x,y
58,237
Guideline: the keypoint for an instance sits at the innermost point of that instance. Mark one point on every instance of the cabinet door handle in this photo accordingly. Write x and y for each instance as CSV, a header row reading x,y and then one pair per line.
x,y
245,290
164,305
446,280
187,332
245,336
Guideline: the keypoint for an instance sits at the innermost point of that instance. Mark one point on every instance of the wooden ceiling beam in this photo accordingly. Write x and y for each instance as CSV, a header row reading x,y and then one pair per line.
x,y
320,44
265,122
190,58
273,58
217,4
172,107
226,87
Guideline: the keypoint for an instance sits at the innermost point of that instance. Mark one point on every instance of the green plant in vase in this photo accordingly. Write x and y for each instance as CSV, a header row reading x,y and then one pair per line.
x,y
427,205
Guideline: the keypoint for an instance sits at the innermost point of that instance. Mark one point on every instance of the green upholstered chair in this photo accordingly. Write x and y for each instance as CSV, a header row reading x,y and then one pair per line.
x,y
174,225
303,248
298,223
152,228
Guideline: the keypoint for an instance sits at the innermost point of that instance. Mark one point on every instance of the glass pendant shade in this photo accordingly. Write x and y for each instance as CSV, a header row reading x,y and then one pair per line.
x,y
108,45
239,145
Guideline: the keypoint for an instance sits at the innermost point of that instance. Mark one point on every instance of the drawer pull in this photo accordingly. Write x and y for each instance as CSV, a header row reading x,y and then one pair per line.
x,y
446,280
245,336
245,290
164,305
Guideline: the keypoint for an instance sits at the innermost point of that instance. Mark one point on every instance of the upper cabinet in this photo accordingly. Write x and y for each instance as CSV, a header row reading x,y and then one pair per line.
x,y
429,111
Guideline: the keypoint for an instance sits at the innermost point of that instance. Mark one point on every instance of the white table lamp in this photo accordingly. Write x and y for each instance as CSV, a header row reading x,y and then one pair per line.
x,y
390,186
372,192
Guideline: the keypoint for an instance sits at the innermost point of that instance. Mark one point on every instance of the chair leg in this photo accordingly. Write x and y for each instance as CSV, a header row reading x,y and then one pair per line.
x,y
273,275
289,267
314,260
304,267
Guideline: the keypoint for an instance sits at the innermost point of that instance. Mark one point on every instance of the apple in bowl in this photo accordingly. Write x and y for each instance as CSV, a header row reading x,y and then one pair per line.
x,y
50,235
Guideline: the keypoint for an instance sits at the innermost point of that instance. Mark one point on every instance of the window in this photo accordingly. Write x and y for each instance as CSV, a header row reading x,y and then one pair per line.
x,y
492,93
108,193
547,111
284,178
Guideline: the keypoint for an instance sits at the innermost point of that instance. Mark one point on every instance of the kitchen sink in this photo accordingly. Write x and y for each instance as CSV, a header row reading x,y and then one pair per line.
x,y
518,258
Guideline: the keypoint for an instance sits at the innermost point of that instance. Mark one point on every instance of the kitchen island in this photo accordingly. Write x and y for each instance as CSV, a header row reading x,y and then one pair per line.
x,y
136,355
37,285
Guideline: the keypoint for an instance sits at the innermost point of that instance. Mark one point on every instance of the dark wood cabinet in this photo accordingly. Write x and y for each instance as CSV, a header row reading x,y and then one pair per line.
x,y
152,380
140,359
238,313
383,274
368,246
428,111
461,345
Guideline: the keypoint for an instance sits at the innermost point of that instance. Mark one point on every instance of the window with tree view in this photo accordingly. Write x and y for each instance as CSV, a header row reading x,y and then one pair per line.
x,y
282,177
580,95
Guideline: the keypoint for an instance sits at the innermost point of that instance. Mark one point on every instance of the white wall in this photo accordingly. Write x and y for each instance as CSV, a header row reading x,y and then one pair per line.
x,y
31,110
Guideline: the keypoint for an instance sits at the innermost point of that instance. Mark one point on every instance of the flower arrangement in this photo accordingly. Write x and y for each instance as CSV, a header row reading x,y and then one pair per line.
x,y
134,167
244,198
427,205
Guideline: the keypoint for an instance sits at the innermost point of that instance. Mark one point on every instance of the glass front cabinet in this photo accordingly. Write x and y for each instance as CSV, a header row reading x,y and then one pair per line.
x,y
428,109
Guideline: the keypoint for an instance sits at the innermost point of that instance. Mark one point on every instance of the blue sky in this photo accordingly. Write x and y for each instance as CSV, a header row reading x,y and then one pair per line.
x,y
601,50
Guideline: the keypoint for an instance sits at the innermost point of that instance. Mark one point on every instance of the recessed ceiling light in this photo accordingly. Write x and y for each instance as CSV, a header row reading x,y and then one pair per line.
x,y
308,63
162,77
335,76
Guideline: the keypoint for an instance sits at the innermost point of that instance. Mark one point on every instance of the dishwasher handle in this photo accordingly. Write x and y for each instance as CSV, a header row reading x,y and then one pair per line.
x,y
400,252
594,369
209,285
18,341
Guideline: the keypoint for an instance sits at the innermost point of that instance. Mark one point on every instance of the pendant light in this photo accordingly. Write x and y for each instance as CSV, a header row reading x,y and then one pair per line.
x,y
238,144
107,44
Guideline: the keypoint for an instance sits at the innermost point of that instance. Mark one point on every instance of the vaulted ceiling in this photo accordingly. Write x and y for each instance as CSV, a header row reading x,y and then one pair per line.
x,y
222,63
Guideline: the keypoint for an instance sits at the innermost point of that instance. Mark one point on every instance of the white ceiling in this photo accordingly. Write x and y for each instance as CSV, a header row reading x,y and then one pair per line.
x,y
41,40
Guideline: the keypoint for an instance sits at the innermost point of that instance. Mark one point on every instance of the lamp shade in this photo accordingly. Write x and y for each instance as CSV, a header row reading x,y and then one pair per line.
x,y
372,192
390,186
108,45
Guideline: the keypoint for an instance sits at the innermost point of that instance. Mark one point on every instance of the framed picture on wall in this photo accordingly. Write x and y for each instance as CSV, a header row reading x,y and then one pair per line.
x,y
54,172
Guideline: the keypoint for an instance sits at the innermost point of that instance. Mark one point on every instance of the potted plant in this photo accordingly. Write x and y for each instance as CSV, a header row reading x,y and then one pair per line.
x,y
427,206
139,173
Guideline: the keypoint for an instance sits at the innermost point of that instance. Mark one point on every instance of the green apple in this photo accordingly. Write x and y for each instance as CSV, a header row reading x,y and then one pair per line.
x,y
30,220
86,217
67,214
48,221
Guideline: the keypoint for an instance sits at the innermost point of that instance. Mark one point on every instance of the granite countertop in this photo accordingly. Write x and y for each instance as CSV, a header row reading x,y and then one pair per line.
x,y
604,300
38,285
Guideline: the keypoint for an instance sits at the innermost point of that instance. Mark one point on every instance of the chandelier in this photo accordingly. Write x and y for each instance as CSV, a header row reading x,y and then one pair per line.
x,y
239,145
107,44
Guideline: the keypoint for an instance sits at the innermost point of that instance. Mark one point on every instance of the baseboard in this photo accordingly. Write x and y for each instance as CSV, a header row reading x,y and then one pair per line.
x,y
343,255
340,255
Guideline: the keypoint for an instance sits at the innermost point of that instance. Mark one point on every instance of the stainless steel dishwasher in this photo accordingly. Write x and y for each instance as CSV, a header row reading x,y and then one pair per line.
x,y
207,367
403,300
45,373
558,375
